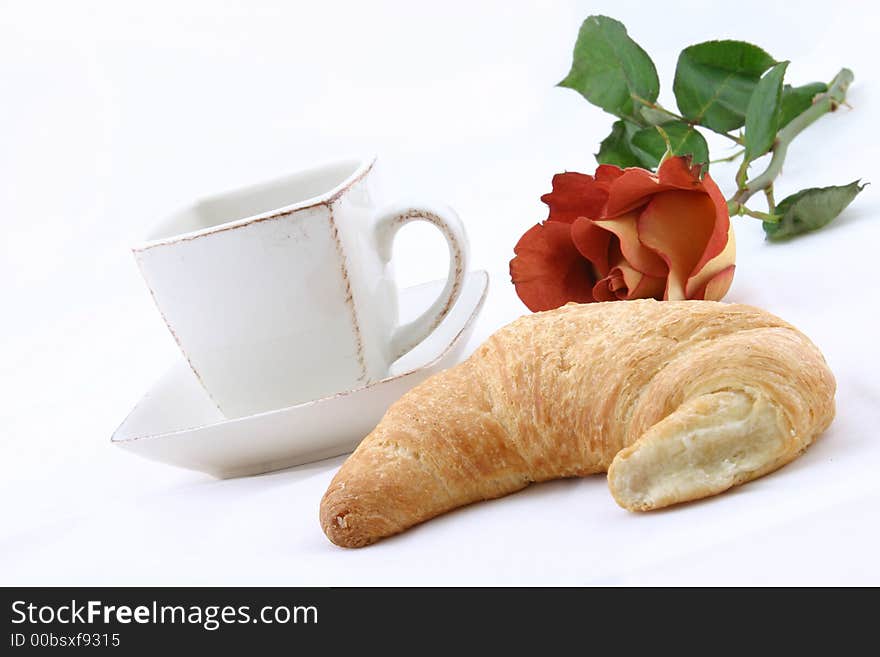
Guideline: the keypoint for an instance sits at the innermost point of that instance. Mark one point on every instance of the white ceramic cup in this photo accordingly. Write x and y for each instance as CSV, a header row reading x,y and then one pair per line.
x,y
283,292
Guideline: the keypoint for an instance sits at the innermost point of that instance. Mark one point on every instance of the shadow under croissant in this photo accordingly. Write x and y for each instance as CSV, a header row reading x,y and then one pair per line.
x,y
596,485
695,398
710,445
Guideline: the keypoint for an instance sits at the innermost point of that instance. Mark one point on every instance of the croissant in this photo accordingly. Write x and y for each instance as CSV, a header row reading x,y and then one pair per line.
x,y
675,400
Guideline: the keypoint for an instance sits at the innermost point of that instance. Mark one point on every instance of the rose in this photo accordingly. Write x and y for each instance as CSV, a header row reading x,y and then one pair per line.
x,y
627,234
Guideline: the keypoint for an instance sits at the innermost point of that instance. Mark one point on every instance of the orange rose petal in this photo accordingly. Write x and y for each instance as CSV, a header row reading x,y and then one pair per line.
x,y
630,191
722,232
718,285
677,225
624,282
678,173
592,242
548,271
703,273
635,187
648,287
638,285
575,195
638,255
604,290
631,276
679,244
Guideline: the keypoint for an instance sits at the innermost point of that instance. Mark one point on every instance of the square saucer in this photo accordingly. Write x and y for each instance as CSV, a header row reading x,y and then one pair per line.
x,y
177,423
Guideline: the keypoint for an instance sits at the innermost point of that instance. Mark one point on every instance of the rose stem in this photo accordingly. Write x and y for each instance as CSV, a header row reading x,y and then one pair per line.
x,y
822,104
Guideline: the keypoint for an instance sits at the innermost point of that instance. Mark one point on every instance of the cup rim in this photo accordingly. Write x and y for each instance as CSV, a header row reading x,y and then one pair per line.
x,y
365,164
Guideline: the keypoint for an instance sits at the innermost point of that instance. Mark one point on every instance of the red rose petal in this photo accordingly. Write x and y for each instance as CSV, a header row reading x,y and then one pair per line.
x,y
663,235
635,187
607,173
678,225
630,191
592,242
575,195
548,271
678,173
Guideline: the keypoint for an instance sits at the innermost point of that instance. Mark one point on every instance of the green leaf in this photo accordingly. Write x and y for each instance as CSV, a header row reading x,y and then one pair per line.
x,y
618,149
683,140
810,209
654,116
762,114
609,69
715,80
796,100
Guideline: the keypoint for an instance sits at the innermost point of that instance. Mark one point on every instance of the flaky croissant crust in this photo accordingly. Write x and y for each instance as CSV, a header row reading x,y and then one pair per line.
x,y
676,400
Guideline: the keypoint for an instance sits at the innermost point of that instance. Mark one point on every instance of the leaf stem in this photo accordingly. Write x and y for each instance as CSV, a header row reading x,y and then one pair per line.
x,y
734,139
729,158
769,217
657,107
822,104
771,202
735,209
668,152
741,174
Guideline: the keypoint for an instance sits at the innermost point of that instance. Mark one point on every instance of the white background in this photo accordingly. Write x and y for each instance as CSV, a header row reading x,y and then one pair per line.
x,y
114,114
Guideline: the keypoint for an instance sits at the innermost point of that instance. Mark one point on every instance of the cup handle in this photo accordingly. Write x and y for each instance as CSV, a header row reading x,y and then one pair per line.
x,y
407,336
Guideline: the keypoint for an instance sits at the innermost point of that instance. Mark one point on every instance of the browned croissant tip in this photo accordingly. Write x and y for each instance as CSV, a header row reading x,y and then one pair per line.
x,y
341,521
340,532
337,529
334,521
